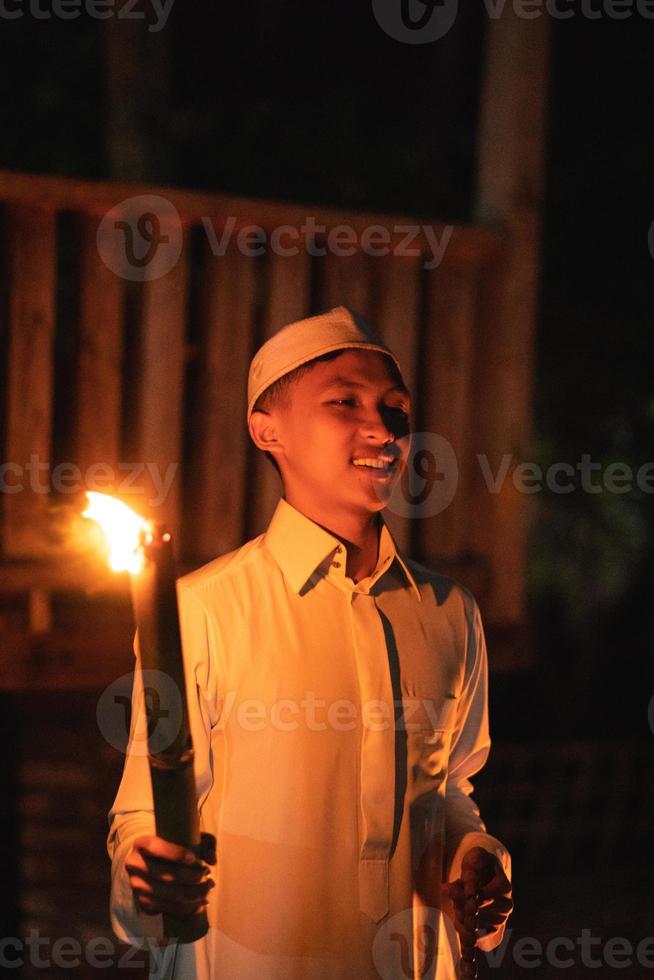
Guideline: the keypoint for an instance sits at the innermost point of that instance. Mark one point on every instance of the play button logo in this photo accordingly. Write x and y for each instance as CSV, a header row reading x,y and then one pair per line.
x,y
415,21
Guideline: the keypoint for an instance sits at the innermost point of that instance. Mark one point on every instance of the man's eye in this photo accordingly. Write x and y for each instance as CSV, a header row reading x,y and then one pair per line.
x,y
343,401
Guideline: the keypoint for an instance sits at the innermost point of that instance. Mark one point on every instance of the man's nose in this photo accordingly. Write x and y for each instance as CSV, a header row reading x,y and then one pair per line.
x,y
384,423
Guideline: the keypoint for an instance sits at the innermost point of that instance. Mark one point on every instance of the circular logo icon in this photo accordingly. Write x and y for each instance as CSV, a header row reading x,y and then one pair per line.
x,y
415,21
140,239
158,713
406,945
429,478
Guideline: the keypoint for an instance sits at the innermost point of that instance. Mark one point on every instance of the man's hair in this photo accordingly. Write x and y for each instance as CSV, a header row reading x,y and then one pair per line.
x,y
277,393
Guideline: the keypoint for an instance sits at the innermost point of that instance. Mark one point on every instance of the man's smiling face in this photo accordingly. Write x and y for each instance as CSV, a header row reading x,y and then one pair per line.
x,y
335,424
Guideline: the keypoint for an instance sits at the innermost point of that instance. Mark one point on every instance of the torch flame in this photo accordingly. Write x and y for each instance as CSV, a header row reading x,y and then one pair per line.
x,y
123,529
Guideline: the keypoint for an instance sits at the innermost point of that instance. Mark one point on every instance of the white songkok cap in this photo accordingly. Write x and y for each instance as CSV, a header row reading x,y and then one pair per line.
x,y
302,341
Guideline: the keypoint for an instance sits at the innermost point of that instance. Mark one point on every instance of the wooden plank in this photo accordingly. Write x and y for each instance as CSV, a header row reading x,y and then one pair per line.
x,y
396,288
97,434
447,352
156,437
60,192
217,487
31,322
287,300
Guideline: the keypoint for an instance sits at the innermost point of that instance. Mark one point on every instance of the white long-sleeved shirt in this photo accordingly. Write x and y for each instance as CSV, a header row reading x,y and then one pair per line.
x,y
336,726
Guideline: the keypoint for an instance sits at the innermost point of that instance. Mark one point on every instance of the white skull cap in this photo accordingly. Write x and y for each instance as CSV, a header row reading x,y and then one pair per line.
x,y
302,341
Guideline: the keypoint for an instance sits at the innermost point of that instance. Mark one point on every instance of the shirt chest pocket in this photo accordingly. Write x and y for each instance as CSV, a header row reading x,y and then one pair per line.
x,y
429,740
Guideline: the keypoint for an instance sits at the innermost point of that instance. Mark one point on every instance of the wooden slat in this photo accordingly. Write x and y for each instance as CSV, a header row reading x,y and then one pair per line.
x,y
30,378
346,280
396,289
447,349
217,486
287,300
99,378
157,439
397,310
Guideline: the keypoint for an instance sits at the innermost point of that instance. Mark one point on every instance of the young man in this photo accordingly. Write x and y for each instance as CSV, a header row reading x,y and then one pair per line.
x,y
338,707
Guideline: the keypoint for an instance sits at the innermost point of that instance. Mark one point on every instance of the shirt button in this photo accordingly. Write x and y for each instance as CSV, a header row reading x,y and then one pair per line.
x,y
340,548
336,564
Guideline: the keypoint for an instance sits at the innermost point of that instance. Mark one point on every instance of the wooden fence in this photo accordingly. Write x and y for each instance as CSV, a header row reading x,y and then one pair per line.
x,y
109,365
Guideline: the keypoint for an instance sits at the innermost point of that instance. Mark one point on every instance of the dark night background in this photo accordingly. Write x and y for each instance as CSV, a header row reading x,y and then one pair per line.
x,y
313,102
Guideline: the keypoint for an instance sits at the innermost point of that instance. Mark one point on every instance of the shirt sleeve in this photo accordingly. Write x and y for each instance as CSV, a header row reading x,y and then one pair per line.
x,y
464,827
132,813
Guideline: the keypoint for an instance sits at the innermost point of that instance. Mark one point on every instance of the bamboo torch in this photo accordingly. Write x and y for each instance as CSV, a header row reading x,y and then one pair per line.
x,y
145,550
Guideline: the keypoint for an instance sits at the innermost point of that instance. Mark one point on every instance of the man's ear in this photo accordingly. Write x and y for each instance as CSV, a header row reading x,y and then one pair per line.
x,y
264,432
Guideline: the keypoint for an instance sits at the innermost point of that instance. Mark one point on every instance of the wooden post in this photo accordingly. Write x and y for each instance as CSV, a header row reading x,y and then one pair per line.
x,y
29,381
509,193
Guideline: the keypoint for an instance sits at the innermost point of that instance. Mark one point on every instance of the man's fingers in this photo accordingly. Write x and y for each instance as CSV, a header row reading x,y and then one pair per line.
x,y
152,906
172,887
157,847
494,915
154,898
207,848
489,921
166,877
500,903
139,863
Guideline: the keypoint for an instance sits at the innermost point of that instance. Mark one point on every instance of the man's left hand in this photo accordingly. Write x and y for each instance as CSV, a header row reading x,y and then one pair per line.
x,y
495,895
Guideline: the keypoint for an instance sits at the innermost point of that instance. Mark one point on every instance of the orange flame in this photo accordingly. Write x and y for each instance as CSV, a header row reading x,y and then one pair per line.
x,y
123,529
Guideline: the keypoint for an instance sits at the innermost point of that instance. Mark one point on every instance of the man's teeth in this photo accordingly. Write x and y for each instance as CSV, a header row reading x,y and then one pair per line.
x,y
379,464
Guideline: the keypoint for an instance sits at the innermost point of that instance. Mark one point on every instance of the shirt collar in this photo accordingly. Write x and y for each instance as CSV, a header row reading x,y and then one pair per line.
x,y
300,546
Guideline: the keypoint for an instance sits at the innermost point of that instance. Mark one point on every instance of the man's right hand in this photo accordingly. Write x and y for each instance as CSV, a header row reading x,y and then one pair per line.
x,y
169,878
